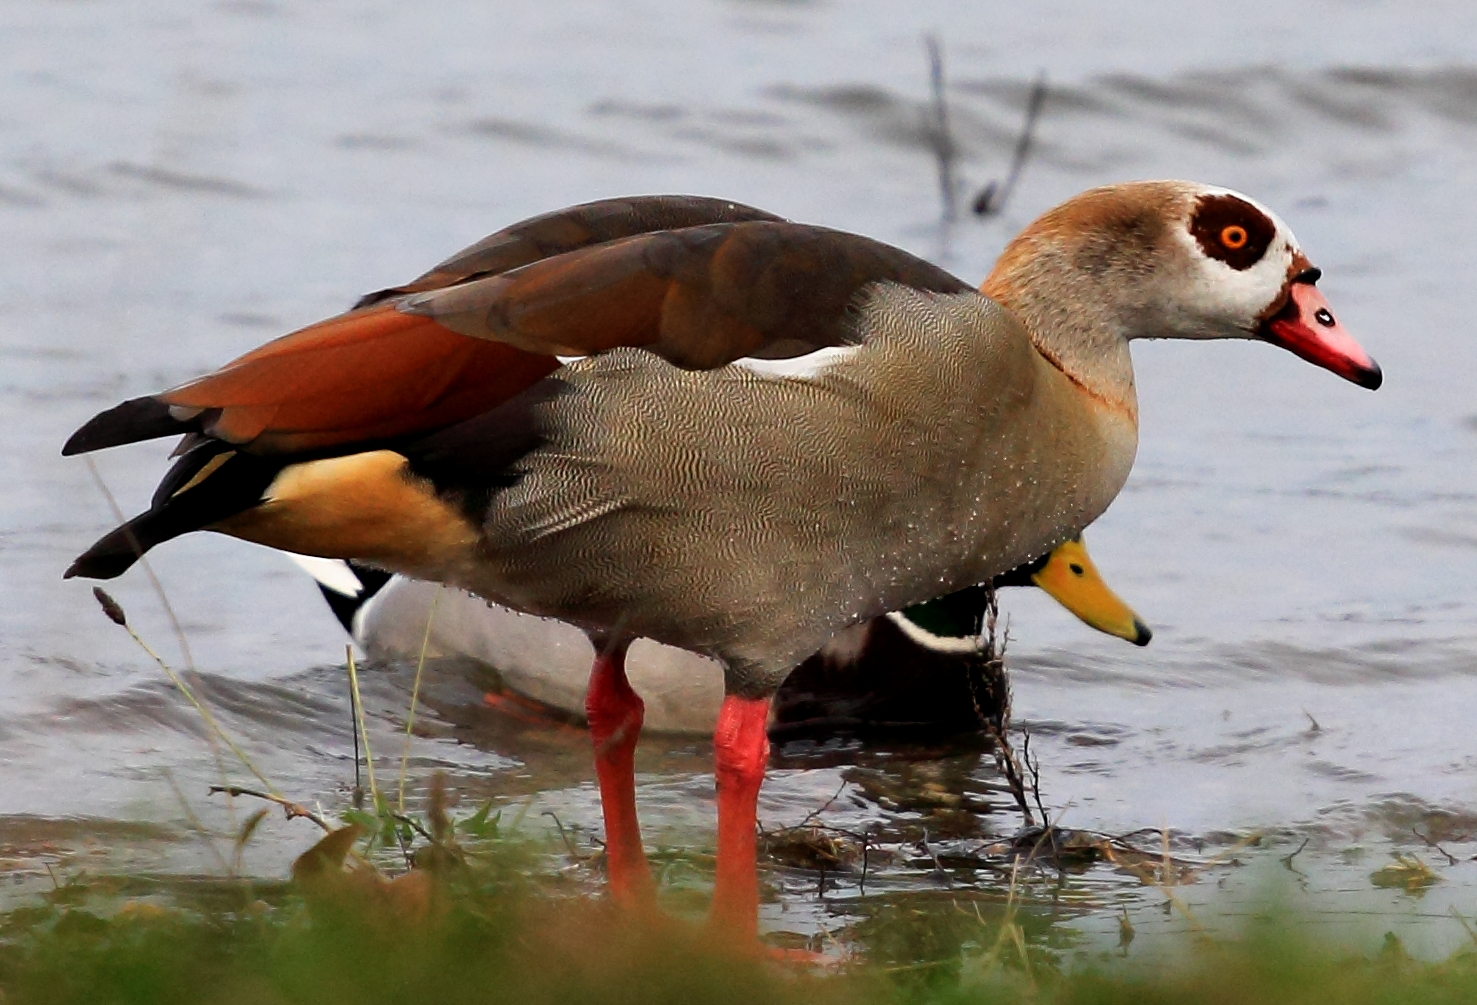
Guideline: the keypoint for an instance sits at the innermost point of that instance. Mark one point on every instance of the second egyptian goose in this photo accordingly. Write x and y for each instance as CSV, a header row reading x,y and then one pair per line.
x,y
687,420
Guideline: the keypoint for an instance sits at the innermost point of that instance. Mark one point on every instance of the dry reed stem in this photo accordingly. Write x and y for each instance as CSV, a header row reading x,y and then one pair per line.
x,y
1008,928
374,792
179,631
114,611
1463,922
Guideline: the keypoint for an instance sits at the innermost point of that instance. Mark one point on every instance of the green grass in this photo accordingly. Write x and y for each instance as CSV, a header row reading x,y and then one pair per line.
x,y
489,927
480,941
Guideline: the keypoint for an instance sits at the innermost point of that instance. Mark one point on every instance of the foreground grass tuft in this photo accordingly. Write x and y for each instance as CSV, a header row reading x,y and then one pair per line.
x,y
491,934
479,944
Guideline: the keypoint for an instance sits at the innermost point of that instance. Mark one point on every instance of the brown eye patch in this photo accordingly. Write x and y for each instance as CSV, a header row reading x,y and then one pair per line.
x,y
1232,230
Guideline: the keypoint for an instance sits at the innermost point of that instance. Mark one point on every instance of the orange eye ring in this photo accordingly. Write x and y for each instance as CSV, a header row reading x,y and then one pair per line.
x,y
1234,237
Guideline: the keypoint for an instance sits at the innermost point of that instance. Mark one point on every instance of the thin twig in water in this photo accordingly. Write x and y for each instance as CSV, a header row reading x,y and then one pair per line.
x,y
1287,859
1167,871
1228,854
941,139
938,867
1450,858
1123,838
821,809
1033,765
289,807
415,693
562,836
996,722
415,825
114,611
1046,833
993,197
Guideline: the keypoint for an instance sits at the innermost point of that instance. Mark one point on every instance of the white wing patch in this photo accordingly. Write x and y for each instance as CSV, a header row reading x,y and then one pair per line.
x,y
806,367
331,572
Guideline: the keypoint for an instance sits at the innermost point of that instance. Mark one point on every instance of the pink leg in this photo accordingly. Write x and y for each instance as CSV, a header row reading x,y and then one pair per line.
x,y
615,713
740,754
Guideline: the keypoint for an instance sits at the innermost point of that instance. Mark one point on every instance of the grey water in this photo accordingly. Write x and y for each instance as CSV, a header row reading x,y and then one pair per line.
x,y
182,181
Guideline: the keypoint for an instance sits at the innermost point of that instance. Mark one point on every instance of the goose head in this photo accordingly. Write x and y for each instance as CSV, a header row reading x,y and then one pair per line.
x,y
1166,259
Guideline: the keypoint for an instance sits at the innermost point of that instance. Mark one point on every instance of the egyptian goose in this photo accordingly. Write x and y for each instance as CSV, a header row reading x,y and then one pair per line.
x,y
688,420
910,670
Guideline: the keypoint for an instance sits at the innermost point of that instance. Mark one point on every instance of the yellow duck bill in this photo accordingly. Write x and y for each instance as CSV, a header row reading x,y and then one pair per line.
x,y
1071,579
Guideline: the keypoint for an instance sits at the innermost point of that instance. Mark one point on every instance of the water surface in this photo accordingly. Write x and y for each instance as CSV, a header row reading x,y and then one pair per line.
x,y
179,185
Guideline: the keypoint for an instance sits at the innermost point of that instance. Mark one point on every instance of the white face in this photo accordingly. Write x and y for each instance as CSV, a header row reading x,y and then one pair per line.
x,y
1239,257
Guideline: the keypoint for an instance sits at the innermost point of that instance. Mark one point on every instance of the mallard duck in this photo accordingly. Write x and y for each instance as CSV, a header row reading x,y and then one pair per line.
x,y
688,420
907,670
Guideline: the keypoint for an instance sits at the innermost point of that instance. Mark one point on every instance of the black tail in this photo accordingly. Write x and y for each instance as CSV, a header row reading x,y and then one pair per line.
x,y
209,483
138,419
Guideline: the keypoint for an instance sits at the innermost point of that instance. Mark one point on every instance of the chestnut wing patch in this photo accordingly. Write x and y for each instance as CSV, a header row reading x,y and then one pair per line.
x,y
363,377
567,230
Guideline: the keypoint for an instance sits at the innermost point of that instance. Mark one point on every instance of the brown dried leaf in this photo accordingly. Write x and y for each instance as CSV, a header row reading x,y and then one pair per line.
x,y
327,856
408,897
